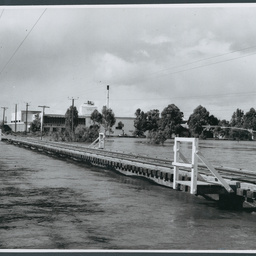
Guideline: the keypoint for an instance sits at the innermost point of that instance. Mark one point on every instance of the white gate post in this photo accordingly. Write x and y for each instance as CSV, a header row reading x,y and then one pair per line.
x,y
194,169
176,149
0,134
101,141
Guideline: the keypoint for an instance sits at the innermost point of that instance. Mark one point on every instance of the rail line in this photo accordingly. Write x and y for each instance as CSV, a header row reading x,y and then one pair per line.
x,y
230,173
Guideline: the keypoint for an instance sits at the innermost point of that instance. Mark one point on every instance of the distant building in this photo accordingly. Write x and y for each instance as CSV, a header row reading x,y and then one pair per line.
x,y
86,110
128,128
21,120
54,122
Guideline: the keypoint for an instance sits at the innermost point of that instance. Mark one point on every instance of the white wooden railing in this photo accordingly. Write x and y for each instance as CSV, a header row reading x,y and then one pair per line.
x,y
100,140
196,155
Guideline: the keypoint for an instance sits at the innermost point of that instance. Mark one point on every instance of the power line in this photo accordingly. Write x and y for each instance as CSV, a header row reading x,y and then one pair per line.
x,y
1,14
185,97
205,65
21,42
204,59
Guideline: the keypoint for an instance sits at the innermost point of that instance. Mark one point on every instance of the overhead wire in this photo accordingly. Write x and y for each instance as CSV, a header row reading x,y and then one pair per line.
x,y
204,59
14,53
1,14
184,97
210,64
190,97
171,73
197,67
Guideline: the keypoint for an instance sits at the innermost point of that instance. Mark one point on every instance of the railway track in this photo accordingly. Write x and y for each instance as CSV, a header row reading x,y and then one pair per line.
x,y
239,175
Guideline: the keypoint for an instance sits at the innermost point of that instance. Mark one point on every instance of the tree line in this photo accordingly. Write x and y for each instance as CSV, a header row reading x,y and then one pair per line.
x,y
75,132
170,122
159,126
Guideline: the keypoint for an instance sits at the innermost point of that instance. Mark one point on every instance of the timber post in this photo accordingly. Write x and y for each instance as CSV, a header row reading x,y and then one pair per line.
x,y
176,149
194,169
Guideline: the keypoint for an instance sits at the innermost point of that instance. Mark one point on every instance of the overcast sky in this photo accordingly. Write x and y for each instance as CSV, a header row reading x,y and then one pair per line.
x,y
151,56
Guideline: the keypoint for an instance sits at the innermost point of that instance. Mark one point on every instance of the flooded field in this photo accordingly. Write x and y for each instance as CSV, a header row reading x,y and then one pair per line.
x,y
235,154
47,203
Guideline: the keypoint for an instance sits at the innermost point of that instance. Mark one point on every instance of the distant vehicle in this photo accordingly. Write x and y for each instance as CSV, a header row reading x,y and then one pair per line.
x,y
141,136
122,135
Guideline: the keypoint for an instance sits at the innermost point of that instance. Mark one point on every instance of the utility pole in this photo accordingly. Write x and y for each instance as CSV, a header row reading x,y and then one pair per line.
x,y
26,126
15,118
4,108
107,96
42,119
72,113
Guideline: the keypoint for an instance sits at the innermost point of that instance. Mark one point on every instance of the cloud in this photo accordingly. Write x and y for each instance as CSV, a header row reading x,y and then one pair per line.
x,y
182,55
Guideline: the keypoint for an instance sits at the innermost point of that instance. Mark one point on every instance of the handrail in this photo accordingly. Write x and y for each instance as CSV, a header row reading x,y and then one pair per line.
x,y
196,155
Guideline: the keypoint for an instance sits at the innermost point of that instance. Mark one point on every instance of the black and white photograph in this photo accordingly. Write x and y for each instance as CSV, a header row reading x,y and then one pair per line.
x,y
128,128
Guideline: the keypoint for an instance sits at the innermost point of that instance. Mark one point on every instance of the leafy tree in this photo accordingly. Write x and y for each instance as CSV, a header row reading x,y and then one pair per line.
x,y
223,132
71,116
224,123
96,117
36,124
157,137
140,123
213,120
197,119
93,132
152,125
83,133
237,119
108,118
153,118
120,126
250,119
170,121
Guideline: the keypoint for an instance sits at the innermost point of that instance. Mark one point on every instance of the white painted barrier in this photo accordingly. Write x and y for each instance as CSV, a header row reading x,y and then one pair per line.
x,y
101,140
193,165
196,154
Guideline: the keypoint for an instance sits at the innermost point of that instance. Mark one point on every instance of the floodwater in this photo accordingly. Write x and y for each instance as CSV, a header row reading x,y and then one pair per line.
x,y
235,154
47,203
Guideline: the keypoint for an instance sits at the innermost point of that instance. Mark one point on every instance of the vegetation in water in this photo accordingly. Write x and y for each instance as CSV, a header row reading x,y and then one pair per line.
x,y
157,126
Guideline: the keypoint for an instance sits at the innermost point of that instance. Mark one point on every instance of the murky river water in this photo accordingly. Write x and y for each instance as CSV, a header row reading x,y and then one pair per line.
x,y
220,153
48,203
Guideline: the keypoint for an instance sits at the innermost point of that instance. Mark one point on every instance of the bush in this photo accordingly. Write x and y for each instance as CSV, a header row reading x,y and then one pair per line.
x,y
157,137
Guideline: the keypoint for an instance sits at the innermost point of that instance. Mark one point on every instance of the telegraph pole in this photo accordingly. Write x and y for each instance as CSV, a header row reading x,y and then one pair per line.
x,y
72,113
4,108
26,126
107,96
15,118
42,119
